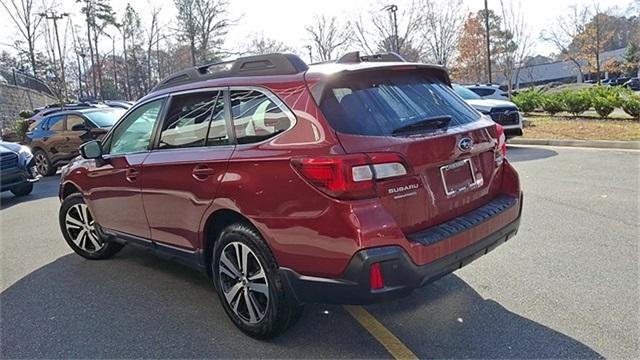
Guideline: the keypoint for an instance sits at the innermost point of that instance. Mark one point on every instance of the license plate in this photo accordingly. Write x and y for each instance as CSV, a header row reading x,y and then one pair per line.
x,y
457,177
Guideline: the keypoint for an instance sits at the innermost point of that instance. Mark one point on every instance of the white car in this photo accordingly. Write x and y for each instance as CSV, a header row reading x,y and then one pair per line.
x,y
503,112
488,91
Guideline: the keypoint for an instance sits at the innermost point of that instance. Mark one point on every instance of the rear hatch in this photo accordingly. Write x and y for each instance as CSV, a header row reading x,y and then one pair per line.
x,y
449,150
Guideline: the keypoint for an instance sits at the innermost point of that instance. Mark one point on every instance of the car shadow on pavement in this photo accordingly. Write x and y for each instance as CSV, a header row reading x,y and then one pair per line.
x,y
44,188
139,305
449,319
528,153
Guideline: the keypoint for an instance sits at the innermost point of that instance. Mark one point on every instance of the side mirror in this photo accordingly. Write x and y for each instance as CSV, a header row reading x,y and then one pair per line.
x,y
79,127
91,150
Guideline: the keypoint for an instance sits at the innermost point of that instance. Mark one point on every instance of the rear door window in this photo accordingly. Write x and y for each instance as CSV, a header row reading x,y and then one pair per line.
x,y
194,120
379,103
55,123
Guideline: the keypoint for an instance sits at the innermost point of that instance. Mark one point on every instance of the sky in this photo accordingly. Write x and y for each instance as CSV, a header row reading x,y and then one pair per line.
x,y
285,20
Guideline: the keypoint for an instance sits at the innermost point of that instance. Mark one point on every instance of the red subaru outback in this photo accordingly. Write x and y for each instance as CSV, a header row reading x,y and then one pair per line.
x,y
348,182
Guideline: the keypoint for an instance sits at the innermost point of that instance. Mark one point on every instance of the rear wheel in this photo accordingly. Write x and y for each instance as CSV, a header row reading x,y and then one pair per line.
x,y
43,164
249,284
79,230
23,189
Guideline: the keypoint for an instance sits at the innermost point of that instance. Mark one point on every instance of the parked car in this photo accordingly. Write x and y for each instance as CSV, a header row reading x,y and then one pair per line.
x,y
633,84
54,108
502,112
489,91
57,137
17,171
348,182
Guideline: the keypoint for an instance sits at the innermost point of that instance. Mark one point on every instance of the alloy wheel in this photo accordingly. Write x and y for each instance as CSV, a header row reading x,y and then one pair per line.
x,y
81,228
41,164
243,282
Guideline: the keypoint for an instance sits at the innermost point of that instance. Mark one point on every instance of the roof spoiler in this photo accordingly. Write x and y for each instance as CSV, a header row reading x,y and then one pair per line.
x,y
257,65
355,57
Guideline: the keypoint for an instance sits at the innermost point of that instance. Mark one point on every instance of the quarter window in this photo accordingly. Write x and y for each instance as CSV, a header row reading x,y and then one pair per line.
x,y
194,120
256,117
133,134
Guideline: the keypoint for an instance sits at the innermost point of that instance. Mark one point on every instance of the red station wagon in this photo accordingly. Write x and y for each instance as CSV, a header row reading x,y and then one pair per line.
x,y
348,182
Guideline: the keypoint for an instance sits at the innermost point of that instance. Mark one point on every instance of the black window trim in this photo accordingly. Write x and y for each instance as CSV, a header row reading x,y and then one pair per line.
x,y
158,131
276,100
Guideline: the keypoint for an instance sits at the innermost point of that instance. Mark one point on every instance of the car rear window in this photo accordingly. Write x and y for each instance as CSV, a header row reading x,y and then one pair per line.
x,y
381,102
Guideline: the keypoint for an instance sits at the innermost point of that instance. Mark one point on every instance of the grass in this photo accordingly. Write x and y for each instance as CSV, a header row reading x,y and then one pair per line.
x,y
560,127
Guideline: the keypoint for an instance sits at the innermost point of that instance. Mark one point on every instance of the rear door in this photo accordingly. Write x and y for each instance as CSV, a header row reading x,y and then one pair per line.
x,y
181,175
447,147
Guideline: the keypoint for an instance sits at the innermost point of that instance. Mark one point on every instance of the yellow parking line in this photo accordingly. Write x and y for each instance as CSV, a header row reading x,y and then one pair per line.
x,y
394,346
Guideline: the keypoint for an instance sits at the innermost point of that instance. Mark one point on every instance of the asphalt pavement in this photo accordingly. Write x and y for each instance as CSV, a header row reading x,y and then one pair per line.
x,y
565,287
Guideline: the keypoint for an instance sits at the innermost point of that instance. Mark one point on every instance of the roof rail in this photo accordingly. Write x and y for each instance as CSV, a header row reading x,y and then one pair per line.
x,y
256,65
355,57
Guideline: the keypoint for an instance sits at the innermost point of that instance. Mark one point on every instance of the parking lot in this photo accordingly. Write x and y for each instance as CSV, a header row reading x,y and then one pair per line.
x,y
565,287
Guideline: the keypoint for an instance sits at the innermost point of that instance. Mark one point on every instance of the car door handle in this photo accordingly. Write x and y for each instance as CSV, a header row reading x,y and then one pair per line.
x,y
202,172
131,175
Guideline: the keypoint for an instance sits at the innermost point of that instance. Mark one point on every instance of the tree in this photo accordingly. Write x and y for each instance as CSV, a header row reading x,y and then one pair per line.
x,y
631,59
471,63
260,45
24,16
98,15
515,43
377,32
327,35
441,28
203,23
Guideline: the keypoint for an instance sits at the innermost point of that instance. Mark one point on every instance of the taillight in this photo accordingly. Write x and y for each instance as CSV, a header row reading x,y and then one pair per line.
x,y
376,281
350,176
501,151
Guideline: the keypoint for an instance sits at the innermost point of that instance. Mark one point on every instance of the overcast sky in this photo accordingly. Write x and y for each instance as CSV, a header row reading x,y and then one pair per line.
x,y
285,20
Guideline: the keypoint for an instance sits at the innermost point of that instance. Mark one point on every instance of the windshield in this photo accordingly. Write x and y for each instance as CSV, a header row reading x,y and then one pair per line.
x,y
379,103
105,118
465,93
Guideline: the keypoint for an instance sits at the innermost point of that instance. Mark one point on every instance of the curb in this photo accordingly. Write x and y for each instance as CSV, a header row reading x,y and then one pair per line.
x,y
603,144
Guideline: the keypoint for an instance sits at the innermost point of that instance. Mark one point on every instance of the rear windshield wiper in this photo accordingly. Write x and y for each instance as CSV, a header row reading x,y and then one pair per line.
x,y
433,122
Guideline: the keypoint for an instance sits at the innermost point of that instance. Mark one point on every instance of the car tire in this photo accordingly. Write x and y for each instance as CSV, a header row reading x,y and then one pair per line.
x,y
23,189
79,230
257,282
43,163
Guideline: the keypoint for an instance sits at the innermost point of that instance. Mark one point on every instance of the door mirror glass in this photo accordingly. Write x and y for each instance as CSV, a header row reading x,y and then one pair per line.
x,y
91,150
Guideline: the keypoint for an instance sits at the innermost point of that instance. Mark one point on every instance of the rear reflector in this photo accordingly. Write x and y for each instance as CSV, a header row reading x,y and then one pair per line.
x,y
375,276
351,176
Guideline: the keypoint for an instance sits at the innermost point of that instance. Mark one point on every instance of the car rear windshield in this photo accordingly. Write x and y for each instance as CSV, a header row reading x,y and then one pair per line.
x,y
105,118
379,103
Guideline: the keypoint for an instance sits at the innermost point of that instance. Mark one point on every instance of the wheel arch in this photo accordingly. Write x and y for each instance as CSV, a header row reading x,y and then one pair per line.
x,y
215,223
69,188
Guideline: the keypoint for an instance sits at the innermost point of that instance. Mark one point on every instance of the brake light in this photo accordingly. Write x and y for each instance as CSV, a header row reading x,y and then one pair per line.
x,y
350,176
501,149
376,280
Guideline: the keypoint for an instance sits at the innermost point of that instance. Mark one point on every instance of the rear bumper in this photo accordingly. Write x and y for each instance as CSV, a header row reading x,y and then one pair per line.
x,y
401,275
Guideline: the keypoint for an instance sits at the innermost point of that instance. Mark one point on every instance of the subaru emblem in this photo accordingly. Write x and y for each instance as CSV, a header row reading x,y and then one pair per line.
x,y
465,144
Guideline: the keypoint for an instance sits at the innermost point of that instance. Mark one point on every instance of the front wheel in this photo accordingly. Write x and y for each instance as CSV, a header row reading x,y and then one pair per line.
x,y
249,284
43,164
79,230
23,189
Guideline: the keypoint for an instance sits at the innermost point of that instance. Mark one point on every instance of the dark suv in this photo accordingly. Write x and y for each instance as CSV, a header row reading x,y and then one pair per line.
x,y
57,137
351,182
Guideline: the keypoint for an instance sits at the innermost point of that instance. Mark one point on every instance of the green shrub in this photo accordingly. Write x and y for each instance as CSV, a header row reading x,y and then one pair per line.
x,y
553,103
604,99
20,128
576,102
25,114
630,103
528,100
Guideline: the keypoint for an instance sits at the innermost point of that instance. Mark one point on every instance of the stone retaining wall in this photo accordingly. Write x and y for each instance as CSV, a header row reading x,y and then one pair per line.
x,y
14,99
